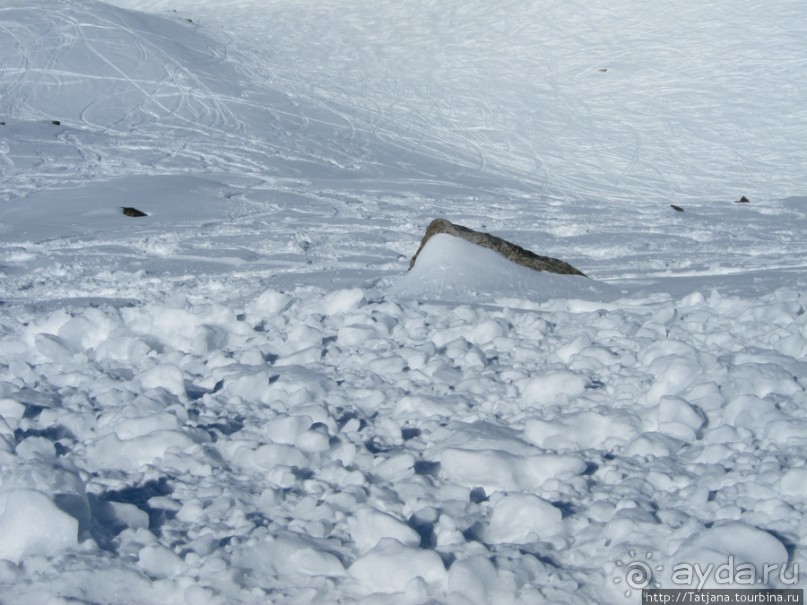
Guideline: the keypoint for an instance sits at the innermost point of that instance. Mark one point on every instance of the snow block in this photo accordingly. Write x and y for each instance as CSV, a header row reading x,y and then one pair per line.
x,y
391,566
31,524
288,556
167,376
794,484
131,454
474,579
581,430
496,470
522,518
678,419
368,527
552,386
730,545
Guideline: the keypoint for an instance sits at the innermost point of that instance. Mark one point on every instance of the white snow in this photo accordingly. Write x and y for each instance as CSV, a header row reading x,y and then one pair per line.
x,y
32,524
245,397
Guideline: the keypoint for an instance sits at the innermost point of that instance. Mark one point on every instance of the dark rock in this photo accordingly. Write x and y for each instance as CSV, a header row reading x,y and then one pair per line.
x,y
510,251
743,200
56,122
676,208
133,212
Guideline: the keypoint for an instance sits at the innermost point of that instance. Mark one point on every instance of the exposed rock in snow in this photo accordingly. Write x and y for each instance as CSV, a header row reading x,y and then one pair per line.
x,y
508,250
453,269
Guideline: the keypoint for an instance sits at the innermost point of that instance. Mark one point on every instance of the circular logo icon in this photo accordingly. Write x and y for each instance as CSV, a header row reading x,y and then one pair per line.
x,y
636,573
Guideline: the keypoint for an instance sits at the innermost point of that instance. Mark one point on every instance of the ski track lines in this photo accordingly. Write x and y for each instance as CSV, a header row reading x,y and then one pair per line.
x,y
161,89
163,93
667,121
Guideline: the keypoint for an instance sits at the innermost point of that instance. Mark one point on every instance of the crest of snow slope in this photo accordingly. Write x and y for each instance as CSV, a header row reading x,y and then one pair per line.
x,y
107,67
137,92
118,82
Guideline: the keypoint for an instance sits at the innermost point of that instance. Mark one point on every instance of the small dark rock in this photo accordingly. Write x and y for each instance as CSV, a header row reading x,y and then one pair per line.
x,y
676,208
2,123
510,251
743,200
133,212
603,69
56,122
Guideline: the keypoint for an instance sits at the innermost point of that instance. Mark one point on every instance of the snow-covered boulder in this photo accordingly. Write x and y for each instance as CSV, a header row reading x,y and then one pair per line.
x,y
510,251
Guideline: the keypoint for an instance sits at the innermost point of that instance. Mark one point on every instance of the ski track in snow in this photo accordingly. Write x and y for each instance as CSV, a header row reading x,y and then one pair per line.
x,y
240,398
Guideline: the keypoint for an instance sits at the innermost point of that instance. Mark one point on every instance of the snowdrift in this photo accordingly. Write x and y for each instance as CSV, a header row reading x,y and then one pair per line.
x,y
451,269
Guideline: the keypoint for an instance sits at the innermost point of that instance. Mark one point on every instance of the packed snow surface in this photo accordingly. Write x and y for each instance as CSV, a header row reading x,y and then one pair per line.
x,y
244,397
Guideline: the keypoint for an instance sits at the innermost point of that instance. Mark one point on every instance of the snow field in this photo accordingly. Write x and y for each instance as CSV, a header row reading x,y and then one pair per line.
x,y
322,443
243,397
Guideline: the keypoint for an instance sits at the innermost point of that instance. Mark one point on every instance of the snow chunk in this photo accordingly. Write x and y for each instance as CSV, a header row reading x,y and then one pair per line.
x,y
159,562
495,470
368,527
269,456
552,386
473,578
673,374
31,524
522,518
343,301
734,542
391,566
653,444
131,454
166,376
289,556
794,483
746,410
582,429
53,348
286,429
12,411
270,302
677,418
487,331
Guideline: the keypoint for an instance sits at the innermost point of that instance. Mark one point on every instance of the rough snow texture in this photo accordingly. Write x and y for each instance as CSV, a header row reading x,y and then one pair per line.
x,y
243,397
333,445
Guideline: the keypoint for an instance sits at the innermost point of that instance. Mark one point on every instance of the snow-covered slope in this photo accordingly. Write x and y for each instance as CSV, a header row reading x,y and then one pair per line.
x,y
243,397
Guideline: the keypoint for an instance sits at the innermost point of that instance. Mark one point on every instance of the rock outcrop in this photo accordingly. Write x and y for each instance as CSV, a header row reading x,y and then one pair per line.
x,y
510,251
133,212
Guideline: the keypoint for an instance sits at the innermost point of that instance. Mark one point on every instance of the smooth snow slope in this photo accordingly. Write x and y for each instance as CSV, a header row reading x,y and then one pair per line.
x,y
244,398
663,102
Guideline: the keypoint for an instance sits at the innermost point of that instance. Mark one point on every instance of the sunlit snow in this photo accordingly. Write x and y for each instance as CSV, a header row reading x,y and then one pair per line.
x,y
245,397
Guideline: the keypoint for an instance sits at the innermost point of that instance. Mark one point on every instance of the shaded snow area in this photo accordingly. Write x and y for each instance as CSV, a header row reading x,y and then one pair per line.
x,y
244,397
